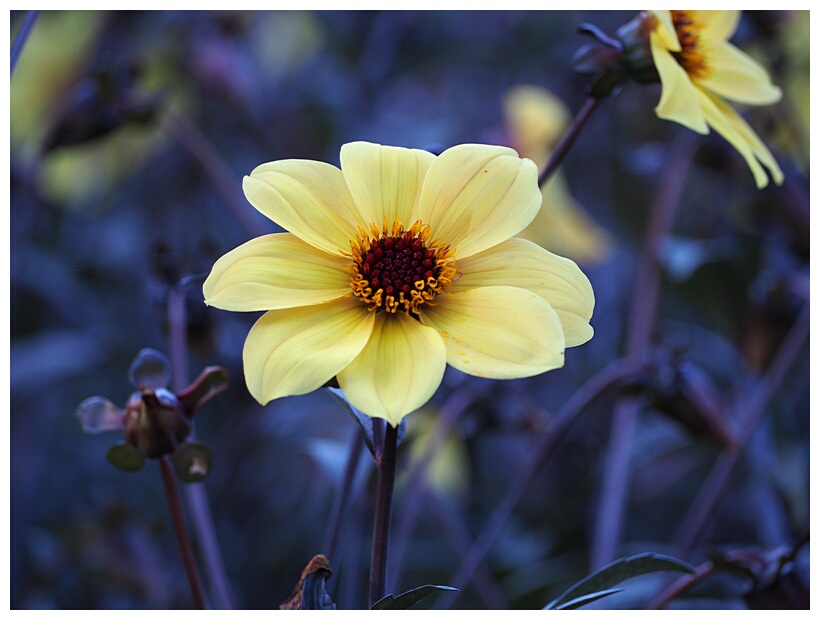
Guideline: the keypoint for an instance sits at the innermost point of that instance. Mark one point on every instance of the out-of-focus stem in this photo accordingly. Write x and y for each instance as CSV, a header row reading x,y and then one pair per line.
x,y
682,585
457,534
567,140
576,404
195,493
615,485
750,411
22,37
192,140
384,505
343,496
450,411
181,533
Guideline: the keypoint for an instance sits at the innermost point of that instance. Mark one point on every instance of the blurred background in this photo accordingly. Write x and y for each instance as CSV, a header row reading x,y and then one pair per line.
x,y
130,134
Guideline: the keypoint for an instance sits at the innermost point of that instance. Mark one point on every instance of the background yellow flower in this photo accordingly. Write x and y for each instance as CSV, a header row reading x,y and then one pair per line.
x,y
536,120
700,70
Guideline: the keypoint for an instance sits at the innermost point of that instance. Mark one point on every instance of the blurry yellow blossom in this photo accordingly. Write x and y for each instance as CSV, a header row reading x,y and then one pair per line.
x,y
536,120
395,266
699,70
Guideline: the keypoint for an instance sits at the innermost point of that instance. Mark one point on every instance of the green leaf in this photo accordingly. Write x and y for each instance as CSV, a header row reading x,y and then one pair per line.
x,y
192,461
125,457
406,600
600,582
588,598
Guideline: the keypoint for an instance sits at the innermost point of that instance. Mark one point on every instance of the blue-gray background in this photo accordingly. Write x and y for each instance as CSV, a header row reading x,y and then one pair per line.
x,y
123,125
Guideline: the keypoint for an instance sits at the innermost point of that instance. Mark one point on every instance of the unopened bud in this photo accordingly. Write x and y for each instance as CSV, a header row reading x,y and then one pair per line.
x,y
637,54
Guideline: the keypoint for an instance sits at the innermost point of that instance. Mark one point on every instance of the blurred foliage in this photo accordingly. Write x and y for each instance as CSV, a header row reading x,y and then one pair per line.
x,y
109,210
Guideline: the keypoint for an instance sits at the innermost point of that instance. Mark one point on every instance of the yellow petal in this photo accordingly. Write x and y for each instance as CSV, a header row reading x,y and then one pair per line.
x,y
476,196
563,226
499,332
679,99
665,31
520,263
717,25
297,350
398,371
309,199
728,123
275,271
736,76
385,181
536,118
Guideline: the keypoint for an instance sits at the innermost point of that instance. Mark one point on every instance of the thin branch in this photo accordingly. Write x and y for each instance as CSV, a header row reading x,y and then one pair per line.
x,y
565,417
450,412
750,412
195,493
457,534
615,485
22,37
342,498
181,533
216,168
567,140
683,584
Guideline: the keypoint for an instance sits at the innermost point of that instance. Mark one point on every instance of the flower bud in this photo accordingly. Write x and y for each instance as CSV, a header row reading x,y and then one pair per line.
x,y
636,54
155,422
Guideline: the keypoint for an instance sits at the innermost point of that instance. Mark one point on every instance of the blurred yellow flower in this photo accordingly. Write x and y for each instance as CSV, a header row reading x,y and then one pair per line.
x,y
699,69
536,119
395,266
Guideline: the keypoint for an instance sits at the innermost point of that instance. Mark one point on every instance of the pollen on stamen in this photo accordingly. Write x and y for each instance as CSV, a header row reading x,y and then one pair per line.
x,y
395,269
690,56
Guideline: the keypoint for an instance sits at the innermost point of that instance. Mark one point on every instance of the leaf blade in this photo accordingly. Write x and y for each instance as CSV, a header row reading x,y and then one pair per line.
x,y
618,571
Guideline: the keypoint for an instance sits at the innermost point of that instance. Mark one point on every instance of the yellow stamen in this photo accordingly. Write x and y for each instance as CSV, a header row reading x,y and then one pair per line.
x,y
691,56
395,269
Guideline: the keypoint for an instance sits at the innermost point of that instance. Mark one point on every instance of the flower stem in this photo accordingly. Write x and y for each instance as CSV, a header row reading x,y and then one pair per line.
x,y
568,139
384,504
591,390
22,37
190,138
342,499
645,296
750,412
181,533
195,493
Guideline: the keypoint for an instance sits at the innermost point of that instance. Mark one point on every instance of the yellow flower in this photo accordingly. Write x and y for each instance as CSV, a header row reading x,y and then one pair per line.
x,y
536,120
396,265
700,69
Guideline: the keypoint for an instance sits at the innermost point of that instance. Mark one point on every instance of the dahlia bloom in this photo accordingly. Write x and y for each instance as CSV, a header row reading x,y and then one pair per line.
x,y
699,70
393,267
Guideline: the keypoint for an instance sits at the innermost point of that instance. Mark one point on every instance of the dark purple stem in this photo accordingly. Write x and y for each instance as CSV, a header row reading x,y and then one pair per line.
x,y
181,533
384,505
195,493
615,485
218,171
567,140
750,413
343,497
577,403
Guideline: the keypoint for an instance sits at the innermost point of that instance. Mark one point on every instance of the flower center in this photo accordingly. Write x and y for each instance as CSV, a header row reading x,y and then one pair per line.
x,y
396,269
690,56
